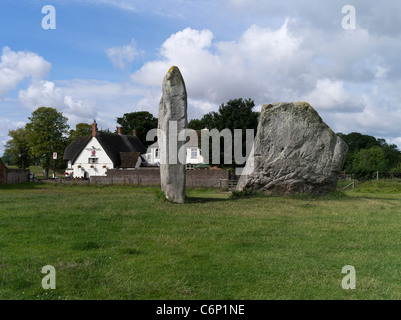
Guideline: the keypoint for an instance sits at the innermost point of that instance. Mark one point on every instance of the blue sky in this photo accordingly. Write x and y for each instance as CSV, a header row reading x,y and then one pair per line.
x,y
108,57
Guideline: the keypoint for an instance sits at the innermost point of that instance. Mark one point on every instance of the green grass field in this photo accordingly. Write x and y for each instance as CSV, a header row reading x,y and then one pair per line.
x,y
121,242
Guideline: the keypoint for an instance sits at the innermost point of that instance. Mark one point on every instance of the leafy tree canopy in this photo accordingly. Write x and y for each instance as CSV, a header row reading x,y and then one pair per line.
x,y
196,124
47,132
368,161
357,141
141,121
235,114
18,148
368,154
7,158
81,130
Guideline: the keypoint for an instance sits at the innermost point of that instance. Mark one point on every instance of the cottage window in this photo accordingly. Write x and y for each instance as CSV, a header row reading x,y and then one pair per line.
x,y
157,154
194,153
92,160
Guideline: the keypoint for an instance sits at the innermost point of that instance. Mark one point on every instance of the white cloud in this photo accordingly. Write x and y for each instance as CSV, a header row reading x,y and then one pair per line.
x,y
79,110
331,95
216,72
276,51
16,66
99,89
344,75
379,116
186,49
113,99
83,100
46,93
41,93
123,56
197,108
396,141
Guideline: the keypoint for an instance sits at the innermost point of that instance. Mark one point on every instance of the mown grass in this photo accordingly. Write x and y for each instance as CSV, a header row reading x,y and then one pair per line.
x,y
122,242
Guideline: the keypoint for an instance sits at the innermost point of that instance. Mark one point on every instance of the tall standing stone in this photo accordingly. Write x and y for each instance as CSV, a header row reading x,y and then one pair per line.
x,y
172,121
294,152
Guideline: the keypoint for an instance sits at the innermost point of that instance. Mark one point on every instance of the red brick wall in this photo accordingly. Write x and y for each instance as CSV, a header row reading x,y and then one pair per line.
x,y
8,176
206,178
146,177
17,175
151,177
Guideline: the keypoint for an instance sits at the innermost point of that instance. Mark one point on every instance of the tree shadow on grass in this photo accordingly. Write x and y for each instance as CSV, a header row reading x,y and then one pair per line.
x,y
334,195
377,198
23,186
191,199
196,198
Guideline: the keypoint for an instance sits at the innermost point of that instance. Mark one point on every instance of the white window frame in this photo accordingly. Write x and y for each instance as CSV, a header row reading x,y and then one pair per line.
x,y
194,153
157,153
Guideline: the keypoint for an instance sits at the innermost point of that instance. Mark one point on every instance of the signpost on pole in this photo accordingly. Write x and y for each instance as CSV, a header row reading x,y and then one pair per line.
x,y
54,164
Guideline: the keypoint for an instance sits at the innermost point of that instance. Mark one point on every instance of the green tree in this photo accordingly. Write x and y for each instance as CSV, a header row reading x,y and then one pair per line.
x,y
7,158
358,142
392,154
368,161
196,124
18,147
47,132
81,130
396,169
141,121
235,114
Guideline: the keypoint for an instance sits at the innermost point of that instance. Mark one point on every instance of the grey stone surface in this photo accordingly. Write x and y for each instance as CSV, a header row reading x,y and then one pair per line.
x,y
294,152
172,120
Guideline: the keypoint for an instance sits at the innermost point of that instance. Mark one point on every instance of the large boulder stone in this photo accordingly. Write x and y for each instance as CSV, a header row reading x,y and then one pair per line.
x,y
294,152
172,121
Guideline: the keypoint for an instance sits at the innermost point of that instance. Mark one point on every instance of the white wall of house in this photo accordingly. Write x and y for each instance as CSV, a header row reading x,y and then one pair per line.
x,y
93,160
193,155
154,155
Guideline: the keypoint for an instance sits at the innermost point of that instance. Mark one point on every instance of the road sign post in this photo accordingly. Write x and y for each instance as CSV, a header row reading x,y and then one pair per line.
x,y
54,164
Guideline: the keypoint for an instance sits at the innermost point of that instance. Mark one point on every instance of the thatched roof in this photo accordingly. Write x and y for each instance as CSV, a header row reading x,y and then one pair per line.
x,y
75,148
113,144
129,159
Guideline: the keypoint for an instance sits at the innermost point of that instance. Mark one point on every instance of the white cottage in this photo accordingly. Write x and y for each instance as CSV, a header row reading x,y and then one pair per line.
x,y
92,156
193,154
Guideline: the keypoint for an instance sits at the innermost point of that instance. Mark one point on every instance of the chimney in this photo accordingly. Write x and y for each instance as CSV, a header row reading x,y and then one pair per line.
x,y
94,128
134,133
119,130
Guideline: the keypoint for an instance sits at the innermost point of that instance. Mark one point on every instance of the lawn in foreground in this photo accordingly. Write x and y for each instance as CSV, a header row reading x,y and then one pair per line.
x,y
121,242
